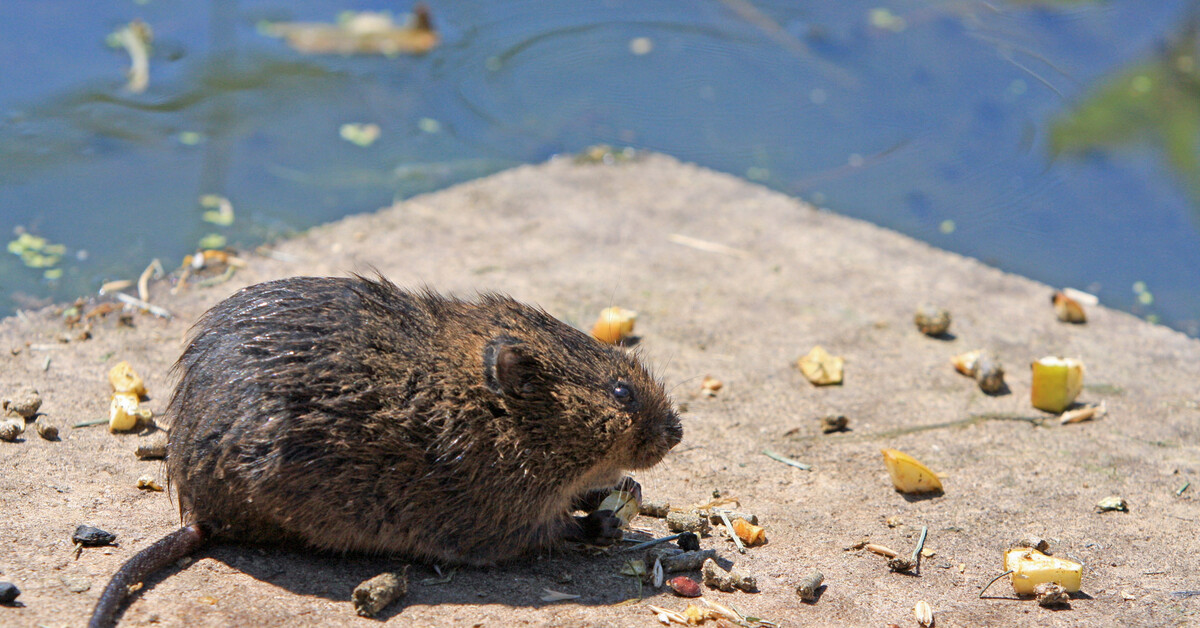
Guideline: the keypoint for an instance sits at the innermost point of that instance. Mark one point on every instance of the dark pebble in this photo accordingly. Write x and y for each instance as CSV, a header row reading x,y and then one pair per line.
x,y
91,536
688,542
8,592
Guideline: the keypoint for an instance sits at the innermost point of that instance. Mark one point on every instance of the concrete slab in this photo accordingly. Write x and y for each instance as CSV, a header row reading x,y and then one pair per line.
x,y
734,281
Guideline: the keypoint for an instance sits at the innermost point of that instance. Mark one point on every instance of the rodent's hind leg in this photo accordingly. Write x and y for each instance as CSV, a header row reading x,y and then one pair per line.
x,y
589,501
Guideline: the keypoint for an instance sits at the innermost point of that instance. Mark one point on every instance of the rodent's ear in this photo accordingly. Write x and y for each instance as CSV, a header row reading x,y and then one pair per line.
x,y
507,369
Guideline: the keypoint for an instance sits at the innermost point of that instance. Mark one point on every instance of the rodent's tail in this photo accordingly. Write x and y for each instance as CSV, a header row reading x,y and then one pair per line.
x,y
163,552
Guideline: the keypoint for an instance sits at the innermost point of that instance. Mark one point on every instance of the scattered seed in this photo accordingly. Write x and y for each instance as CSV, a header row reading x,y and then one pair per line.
x,y
710,385
11,429
1088,412
657,573
1050,594
881,550
45,428
684,586
820,368
24,404
91,536
932,320
654,509
148,483
8,593
372,596
1112,503
923,613
688,522
834,423
558,596
717,578
807,589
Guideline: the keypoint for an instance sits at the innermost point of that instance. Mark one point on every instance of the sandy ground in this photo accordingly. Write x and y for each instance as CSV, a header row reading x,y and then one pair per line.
x,y
576,238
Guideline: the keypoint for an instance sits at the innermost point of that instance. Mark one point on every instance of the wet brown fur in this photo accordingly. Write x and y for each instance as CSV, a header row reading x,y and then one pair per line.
x,y
350,415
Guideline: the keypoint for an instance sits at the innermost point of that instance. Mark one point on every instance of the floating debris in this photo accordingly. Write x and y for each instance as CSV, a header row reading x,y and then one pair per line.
x,y
361,33
220,210
359,134
135,38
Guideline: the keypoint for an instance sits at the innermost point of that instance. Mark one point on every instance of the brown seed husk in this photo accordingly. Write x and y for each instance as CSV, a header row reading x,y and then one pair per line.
x,y
834,423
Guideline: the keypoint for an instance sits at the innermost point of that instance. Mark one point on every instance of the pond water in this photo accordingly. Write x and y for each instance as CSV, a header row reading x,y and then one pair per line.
x,y
1055,139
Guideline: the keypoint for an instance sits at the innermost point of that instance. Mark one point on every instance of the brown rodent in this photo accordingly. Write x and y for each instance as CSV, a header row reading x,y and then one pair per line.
x,y
350,415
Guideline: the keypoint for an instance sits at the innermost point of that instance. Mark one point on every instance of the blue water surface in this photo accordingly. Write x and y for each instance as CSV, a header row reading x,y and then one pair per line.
x,y
1053,139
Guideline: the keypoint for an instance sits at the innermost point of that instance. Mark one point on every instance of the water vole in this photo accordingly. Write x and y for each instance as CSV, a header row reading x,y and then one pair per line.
x,y
350,415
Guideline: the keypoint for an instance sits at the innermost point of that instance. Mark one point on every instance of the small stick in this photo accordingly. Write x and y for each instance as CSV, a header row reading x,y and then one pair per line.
x,y
788,461
1183,488
733,535
993,580
46,364
91,423
652,542
916,556
141,304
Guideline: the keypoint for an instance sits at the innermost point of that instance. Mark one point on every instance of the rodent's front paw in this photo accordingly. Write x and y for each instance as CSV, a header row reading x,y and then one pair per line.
x,y
599,528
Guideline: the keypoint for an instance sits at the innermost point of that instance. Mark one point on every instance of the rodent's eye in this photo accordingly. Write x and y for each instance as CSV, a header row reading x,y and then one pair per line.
x,y
623,392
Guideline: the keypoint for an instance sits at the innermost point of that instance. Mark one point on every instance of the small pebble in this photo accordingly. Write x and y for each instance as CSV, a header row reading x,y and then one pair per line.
x,y
24,404
11,429
684,586
372,596
932,320
45,428
8,592
989,374
807,589
1050,594
688,541
718,578
91,536
832,423
76,584
654,509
